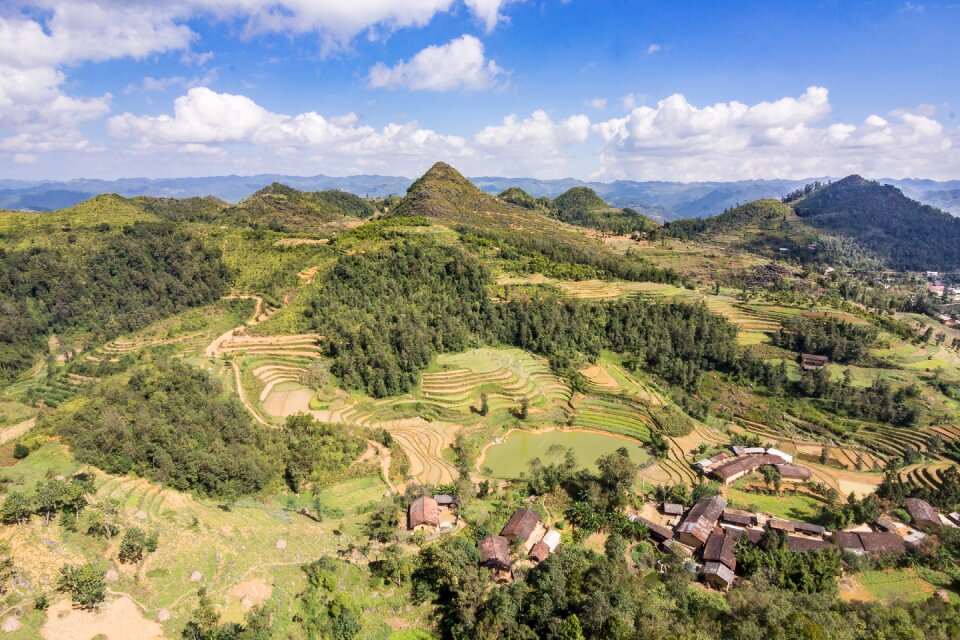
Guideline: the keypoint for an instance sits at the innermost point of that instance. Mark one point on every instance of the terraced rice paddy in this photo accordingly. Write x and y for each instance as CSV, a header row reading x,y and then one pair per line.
x,y
606,289
927,474
277,364
674,469
623,418
507,376
512,456
612,378
890,440
755,318
424,443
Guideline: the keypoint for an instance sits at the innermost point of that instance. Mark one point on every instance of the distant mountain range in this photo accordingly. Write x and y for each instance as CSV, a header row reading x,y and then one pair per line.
x,y
662,201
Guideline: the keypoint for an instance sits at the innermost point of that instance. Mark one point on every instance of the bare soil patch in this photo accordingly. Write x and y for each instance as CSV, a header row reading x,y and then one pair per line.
x,y
119,619
251,593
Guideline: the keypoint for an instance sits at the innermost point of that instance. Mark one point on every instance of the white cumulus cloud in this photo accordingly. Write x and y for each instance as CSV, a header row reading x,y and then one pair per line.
x,y
204,119
533,145
40,39
459,64
488,11
732,140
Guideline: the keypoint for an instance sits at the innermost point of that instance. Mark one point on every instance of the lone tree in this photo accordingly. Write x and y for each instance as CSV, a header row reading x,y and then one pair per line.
x,y
16,509
85,584
772,477
524,409
136,544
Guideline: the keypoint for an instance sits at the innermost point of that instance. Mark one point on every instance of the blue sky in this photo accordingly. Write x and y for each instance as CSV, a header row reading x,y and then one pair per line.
x,y
548,88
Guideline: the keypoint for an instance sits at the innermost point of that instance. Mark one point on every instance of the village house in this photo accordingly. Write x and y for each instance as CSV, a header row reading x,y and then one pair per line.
x,y
955,517
495,553
776,524
886,524
445,501
547,545
809,529
672,509
423,515
916,538
879,542
793,472
804,544
657,531
748,451
539,552
700,521
707,463
811,362
924,516
847,542
719,551
717,575
786,458
743,466
753,535
868,542
738,517
524,525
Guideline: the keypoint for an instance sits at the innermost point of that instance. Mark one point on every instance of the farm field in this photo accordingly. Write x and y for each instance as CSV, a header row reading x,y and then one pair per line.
x,y
200,536
511,457
893,586
507,376
793,506
701,262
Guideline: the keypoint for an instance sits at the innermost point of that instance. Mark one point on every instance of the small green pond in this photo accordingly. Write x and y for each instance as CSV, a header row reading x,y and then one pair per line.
x,y
512,456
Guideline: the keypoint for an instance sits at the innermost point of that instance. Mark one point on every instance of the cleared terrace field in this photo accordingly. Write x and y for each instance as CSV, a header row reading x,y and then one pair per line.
x,y
507,376
620,417
927,474
609,377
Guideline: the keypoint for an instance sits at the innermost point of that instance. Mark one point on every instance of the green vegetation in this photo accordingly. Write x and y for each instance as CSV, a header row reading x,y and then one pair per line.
x,y
811,572
385,315
904,233
583,207
172,423
839,340
84,583
206,209
519,197
281,208
513,456
111,282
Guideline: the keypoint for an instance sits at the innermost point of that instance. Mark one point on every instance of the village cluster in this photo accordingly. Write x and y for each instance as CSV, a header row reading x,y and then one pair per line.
x,y
946,292
706,533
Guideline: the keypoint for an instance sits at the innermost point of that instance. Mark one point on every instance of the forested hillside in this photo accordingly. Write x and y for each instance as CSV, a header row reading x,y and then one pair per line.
x,y
282,208
104,281
903,232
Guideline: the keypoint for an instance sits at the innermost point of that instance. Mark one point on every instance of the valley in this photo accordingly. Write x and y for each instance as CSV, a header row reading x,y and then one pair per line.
x,y
268,386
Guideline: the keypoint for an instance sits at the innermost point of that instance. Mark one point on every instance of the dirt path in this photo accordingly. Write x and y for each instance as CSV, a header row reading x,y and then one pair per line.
x,y
243,396
213,350
17,430
384,453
